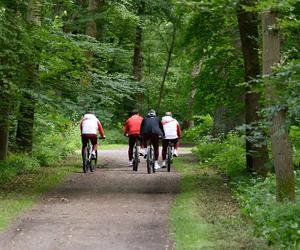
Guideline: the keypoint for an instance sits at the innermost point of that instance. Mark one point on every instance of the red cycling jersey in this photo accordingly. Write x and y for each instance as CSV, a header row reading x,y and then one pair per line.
x,y
133,125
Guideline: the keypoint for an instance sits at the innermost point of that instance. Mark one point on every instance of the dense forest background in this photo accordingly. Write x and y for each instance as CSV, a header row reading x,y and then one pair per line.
x,y
228,70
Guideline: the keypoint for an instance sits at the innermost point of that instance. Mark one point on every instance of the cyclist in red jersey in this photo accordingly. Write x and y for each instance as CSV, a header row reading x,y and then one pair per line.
x,y
132,130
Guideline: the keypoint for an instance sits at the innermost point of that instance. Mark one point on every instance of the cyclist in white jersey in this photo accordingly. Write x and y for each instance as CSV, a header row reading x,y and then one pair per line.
x,y
172,133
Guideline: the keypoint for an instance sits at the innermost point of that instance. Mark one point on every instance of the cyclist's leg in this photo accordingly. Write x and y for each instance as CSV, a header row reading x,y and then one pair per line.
x,y
164,148
84,141
155,143
176,144
131,142
140,144
145,139
94,140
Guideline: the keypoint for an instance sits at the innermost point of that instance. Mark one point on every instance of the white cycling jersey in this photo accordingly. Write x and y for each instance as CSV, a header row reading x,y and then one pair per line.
x,y
171,127
90,125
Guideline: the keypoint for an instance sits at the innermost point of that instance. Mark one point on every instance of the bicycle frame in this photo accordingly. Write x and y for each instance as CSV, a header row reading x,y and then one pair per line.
x,y
88,161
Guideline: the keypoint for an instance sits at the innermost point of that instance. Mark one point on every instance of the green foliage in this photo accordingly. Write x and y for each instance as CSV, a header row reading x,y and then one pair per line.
x,y
204,215
295,139
15,165
203,127
114,136
207,149
278,223
231,159
55,138
227,154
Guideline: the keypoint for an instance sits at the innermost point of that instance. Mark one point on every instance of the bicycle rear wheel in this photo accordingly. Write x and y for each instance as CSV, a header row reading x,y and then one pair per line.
x,y
148,163
85,165
169,158
92,163
152,159
135,159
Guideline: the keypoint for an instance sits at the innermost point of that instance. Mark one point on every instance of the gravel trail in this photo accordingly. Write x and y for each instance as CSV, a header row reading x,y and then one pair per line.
x,y
113,208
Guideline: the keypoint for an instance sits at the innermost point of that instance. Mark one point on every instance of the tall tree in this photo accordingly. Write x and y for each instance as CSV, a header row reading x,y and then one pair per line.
x,y
93,7
189,122
170,50
24,135
256,153
137,55
4,120
281,146
6,41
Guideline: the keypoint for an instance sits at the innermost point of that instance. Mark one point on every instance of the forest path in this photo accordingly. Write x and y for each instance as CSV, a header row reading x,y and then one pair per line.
x,y
112,208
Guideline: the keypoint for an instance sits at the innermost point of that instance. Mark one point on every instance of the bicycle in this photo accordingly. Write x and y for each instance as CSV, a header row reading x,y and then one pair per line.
x,y
150,158
88,162
169,156
136,156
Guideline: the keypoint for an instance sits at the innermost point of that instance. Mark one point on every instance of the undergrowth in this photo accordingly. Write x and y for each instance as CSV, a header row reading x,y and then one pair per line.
x,y
278,223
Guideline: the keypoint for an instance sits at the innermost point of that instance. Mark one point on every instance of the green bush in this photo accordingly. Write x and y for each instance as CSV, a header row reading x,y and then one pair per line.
x,y
295,138
15,165
203,127
115,136
231,158
207,149
227,154
56,146
278,223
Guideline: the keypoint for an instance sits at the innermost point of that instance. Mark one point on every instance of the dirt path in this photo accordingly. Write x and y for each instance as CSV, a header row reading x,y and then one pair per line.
x,y
113,208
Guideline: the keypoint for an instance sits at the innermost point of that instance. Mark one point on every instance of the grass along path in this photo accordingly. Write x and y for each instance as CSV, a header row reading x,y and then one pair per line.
x,y
204,215
21,194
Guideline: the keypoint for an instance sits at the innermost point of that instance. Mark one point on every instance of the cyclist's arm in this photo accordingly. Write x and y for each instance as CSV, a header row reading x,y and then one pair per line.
x,y
142,125
162,128
81,127
100,129
178,131
126,128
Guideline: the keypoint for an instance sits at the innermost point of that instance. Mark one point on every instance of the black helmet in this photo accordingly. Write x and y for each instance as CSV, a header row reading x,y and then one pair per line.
x,y
134,112
151,112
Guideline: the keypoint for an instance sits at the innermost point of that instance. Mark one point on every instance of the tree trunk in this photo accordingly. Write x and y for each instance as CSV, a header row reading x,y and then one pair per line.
x,y
93,7
191,101
189,122
257,156
24,136
137,56
170,52
281,146
222,122
4,122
